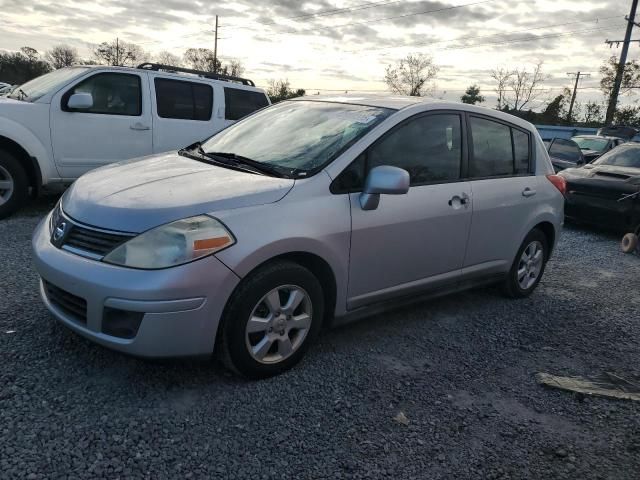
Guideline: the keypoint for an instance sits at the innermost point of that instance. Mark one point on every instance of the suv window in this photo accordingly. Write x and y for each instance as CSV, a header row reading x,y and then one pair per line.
x,y
113,94
498,149
240,103
183,100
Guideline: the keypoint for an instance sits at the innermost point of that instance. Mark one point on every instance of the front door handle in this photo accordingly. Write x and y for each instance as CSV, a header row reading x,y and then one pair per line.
x,y
528,192
139,126
458,201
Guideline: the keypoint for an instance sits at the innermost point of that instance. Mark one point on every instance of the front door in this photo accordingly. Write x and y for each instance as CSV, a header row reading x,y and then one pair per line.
x,y
116,127
415,241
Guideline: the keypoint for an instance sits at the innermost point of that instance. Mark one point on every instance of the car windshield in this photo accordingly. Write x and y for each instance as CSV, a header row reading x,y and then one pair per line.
x,y
299,135
36,88
624,156
597,144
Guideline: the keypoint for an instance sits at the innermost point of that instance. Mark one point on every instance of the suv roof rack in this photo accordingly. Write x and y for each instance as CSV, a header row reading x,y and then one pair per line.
x,y
201,73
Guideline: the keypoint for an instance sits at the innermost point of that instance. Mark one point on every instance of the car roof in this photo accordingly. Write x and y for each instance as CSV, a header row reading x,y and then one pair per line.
x,y
417,104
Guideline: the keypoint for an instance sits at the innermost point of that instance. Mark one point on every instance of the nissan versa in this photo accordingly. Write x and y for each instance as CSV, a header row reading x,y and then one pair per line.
x,y
304,212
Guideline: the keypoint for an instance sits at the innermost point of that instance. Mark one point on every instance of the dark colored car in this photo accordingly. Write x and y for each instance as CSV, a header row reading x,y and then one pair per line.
x,y
602,193
564,154
593,146
619,131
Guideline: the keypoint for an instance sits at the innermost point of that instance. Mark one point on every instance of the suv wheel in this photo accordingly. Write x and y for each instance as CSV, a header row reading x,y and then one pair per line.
x,y
528,266
14,186
271,320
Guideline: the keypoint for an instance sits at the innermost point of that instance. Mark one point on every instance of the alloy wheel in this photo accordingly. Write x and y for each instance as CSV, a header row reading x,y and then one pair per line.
x,y
278,324
530,264
6,185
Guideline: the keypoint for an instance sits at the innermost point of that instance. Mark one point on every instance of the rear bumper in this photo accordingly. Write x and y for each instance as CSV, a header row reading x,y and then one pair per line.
x,y
603,212
181,307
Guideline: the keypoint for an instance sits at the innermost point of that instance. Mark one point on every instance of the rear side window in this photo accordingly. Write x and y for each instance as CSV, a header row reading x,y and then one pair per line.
x,y
183,100
498,149
113,94
240,103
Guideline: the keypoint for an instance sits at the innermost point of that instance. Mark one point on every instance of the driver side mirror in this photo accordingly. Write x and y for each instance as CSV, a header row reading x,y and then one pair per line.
x,y
80,101
385,180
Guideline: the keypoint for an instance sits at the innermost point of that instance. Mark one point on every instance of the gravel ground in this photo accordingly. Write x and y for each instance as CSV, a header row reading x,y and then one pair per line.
x,y
460,369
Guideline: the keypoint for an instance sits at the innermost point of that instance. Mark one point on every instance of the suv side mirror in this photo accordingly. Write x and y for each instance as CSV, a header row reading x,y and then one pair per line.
x,y
385,180
80,101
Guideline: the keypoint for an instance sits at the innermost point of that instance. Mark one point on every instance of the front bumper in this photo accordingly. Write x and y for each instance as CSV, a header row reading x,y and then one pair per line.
x,y
181,306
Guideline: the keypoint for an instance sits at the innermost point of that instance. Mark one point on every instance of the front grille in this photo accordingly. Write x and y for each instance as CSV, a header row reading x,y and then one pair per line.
x,y
93,241
70,304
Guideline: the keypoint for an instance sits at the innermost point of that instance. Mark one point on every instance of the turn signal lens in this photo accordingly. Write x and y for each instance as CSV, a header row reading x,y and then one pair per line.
x,y
559,182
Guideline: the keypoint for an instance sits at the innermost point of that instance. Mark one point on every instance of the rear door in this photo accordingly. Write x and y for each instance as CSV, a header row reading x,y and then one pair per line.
x,y
116,127
183,112
504,191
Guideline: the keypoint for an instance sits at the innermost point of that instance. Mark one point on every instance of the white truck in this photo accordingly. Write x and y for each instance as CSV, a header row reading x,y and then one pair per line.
x,y
58,126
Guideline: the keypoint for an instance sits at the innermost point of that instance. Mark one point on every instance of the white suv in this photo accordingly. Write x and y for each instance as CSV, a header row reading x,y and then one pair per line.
x,y
67,122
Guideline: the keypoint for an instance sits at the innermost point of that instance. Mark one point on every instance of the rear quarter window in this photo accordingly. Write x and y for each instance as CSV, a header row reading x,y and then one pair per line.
x,y
240,103
183,100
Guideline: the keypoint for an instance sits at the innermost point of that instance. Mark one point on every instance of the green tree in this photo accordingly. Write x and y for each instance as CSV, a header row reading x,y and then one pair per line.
x,y
630,78
472,95
593,114
20,67
627,115
279,90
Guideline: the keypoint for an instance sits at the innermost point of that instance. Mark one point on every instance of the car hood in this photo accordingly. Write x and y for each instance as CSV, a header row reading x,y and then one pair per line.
x,y
136,195
603,171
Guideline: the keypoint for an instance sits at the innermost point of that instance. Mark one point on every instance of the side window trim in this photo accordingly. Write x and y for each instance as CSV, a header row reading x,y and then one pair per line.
x,y
65,97
512,127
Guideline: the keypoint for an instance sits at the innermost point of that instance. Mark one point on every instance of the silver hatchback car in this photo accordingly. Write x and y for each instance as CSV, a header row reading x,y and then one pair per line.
x,y
306,212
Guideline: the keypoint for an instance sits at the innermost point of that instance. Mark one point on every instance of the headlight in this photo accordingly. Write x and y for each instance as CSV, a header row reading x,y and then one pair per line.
x,y
55,217
173,244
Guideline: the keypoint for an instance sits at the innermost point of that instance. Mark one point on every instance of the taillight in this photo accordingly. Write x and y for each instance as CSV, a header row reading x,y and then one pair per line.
x,y
559,182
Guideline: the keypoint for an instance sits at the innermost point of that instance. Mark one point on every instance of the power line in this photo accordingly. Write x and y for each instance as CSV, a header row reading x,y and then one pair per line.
x,y
594,19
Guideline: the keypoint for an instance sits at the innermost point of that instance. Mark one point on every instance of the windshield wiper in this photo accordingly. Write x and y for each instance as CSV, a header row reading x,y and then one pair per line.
x,y
264,168
196,152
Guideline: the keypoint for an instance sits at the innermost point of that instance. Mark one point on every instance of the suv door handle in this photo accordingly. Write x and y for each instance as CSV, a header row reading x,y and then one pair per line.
x,y
528,192
459,200
139,126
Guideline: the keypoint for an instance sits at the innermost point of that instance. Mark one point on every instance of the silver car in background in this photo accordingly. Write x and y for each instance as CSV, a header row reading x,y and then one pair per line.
x,y
304,213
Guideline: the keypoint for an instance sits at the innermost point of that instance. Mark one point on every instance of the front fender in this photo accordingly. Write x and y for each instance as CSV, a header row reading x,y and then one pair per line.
x,y
30,143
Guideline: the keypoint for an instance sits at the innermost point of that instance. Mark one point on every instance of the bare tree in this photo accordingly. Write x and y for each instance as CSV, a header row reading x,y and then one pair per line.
x,y
201,59
62,56
234,68
279,90
168,58
525,87
119,53
410,75
502,77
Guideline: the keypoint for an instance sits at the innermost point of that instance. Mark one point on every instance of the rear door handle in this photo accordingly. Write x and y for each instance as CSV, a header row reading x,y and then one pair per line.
x,y
528,192
139,126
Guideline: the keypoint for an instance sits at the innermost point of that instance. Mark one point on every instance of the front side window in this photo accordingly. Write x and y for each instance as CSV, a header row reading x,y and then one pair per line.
x,y
587,143
301,135
183,100
428,147
113,94
240,103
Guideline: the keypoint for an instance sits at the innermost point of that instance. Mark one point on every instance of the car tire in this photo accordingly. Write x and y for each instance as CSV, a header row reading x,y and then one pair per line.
x,y
263,334
629,243
14,184
528,266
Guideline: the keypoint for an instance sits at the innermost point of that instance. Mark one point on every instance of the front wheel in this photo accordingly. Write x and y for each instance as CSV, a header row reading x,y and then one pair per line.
x,y
528,266
14,184
271,320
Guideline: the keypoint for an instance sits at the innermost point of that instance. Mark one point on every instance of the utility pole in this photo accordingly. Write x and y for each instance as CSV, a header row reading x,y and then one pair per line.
x,y
117,51
215,48
613,100
575,91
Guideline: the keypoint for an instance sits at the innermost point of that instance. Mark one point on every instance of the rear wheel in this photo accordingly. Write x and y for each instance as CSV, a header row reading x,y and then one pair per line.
x,y
271,320
528,266
14,185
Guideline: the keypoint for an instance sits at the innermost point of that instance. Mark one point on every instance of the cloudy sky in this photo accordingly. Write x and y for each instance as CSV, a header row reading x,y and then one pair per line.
x,y
324,45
